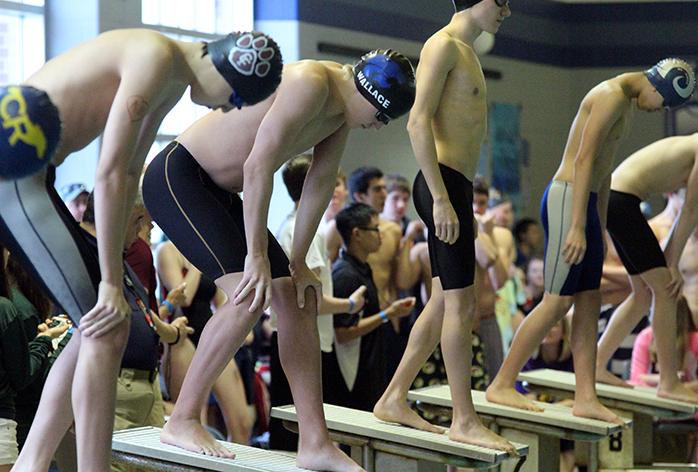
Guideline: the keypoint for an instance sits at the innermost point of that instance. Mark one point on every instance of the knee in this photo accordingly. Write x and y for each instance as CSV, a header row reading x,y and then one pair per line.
x,y
111,343
641,295
659,288
461,306
560,305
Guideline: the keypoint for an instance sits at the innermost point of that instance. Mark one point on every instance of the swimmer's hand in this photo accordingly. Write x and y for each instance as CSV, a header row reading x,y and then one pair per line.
x,y
575,246
446,224
257,277
303,278
110,311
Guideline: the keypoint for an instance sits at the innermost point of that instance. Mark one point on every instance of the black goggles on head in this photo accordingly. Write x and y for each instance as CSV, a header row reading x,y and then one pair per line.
x,y
382,117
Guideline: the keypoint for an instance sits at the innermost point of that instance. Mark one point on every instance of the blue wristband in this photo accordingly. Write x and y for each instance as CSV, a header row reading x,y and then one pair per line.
x,y
170,307
352,305
384,316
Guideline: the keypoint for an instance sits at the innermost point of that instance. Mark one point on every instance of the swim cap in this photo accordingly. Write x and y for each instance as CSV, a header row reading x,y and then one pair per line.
x,y
250,62
461,5
386,79
674,79
31,129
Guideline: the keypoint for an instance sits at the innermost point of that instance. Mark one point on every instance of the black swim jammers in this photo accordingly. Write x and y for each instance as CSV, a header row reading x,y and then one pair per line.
x,y
204,221
454,264
632,236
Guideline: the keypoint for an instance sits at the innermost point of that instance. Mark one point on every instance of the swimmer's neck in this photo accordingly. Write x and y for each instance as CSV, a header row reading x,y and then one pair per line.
x,y
463,28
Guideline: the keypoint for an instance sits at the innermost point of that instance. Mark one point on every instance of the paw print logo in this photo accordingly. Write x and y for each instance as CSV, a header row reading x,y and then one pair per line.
x,y
251,55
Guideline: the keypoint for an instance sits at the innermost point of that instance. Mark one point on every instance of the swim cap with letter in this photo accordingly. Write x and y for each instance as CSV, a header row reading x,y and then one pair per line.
x,y
386,79
674,79
30,131
250,62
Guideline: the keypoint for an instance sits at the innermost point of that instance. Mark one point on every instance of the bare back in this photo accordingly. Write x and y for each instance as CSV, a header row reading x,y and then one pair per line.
x,y
663,166
221,142
595,106
460,122
84,81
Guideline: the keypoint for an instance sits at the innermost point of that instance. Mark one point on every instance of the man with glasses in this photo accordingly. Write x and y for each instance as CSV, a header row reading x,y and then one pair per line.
x,y
446,127
360,343
191,190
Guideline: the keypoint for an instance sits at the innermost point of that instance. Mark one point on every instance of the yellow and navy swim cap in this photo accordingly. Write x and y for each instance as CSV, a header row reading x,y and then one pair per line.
x,y
674,79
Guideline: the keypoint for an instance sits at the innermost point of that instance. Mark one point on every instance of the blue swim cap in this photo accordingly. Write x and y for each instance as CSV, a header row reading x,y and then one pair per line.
x,y
31,129
250,62
674,79
386,79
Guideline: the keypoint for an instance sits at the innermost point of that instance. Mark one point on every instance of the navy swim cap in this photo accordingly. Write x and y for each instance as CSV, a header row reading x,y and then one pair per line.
x,y
674,79
461,5
250,62
386,79
31,129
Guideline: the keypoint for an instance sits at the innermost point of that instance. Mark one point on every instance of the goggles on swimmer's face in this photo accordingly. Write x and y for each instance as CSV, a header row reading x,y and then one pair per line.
x,y
382,117
501,3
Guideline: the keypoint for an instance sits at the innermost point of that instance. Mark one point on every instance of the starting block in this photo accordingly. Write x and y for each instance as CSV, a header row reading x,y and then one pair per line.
x,y
379,446
141,447
542,431
625,450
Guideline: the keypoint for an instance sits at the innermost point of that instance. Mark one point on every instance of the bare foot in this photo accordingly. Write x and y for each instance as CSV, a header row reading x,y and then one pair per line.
x,y
192,436
398,412
326,457
475,433
510,397
605,377
680,392
596,411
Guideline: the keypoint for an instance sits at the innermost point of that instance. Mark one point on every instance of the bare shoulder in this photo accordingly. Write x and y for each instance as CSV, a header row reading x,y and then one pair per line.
x,y
440,42
607,96
308,74
146,51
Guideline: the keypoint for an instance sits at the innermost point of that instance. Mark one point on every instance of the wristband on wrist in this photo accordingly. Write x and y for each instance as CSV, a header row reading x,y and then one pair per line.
x,y
179,333
384,316
167,304
352,305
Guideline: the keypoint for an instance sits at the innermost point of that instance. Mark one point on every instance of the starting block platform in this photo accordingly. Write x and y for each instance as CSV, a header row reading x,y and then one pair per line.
x,y
625,450
382,446
542,431
141,448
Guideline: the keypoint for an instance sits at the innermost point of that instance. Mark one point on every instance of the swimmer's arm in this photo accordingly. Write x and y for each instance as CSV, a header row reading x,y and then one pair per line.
x,y
128,121
317,191
685,223
292,109
602,208
436,61
333,241
129,124
602,203
605,112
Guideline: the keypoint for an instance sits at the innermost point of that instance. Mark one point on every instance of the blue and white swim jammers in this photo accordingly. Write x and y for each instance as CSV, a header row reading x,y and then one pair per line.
x,y
562,278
